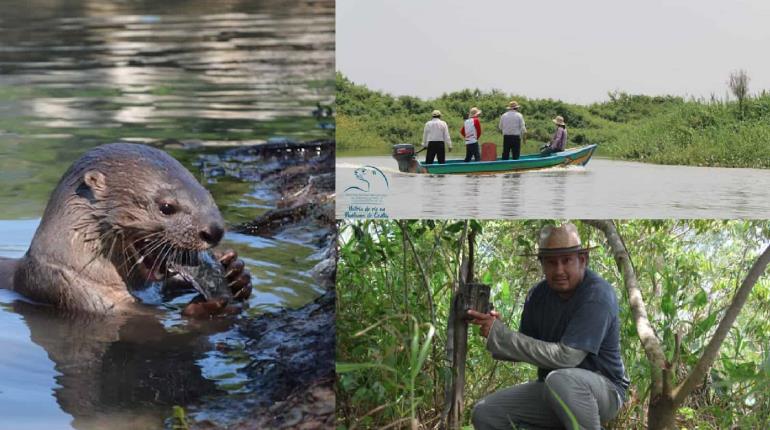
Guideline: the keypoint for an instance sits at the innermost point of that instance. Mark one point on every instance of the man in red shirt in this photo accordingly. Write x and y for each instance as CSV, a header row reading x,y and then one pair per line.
x,y
471,132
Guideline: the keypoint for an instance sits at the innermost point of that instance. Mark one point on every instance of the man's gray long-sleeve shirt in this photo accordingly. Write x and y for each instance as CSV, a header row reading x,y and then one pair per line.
x,y
506,344
582,331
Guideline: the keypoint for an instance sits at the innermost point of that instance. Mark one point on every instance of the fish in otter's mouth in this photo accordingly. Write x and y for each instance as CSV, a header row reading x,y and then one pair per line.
x,y
207,277
164,263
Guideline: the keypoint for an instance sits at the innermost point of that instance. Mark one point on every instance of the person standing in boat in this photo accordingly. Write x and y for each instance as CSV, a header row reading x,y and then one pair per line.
x,y
513,129
471,132
434,136
559,139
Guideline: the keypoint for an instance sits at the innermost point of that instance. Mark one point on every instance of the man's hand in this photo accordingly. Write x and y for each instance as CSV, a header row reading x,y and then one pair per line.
x,y
238,277
483,320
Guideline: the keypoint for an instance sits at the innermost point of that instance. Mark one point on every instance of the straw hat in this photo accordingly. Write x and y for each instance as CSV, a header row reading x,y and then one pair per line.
x,y
559,240
559,120
513,105
436,113
474,112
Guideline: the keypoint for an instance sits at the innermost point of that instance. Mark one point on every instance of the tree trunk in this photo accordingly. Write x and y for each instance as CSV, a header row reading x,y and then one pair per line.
x,y
459,354
664,398
457,340
661,413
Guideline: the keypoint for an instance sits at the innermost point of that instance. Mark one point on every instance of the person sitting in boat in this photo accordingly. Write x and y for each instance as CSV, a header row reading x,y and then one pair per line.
x,y
559,139
434,135
471,132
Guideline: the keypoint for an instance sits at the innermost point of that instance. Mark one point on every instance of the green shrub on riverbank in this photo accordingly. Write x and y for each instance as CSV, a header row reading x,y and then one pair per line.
x,y
662,129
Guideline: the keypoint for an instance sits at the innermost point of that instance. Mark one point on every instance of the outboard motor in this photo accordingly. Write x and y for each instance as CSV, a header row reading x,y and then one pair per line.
x,y
404,155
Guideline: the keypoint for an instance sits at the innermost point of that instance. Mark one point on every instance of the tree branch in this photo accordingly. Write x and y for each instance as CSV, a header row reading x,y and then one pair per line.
x,y
712,349
650,341
463,269
428,293
425,279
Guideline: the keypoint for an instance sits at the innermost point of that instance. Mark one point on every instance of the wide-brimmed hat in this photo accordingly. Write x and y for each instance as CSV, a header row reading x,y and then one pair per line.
x,y
559,240
436,113
559,120
474,111
513,105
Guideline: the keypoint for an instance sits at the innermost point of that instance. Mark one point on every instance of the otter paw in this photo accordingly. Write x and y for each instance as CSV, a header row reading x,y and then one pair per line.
x,y
201,309
238,277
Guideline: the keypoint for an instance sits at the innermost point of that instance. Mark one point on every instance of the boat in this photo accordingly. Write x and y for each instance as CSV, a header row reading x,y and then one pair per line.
x,y
407,162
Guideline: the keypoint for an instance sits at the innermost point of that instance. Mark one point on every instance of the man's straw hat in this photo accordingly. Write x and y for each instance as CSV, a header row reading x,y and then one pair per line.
x,y
559,240
474,112
559,120
436,113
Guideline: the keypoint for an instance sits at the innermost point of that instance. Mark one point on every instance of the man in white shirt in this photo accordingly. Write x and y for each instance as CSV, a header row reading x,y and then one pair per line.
x,y
513,128
435,134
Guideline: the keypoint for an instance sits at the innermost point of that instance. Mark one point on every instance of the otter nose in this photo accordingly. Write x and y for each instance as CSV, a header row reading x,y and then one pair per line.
x,y
212,234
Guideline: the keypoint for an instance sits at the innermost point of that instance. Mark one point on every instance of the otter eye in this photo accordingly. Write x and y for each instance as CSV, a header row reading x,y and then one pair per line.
x,y
167,209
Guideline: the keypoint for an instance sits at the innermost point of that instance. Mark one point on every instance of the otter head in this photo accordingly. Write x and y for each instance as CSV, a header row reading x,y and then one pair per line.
x,y
120,214
149,202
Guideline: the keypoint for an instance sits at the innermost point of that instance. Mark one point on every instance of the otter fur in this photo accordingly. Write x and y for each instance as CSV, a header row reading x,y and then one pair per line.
x,y
116,218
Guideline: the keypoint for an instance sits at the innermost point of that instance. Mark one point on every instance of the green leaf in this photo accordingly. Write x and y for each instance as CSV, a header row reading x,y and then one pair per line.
x,y
700,299
667,305
426,346
704,326
506,291
180,418
352,367
456,227
688,413
487,278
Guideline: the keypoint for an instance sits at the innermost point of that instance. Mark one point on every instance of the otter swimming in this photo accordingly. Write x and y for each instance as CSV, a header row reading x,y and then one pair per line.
x,y
118,217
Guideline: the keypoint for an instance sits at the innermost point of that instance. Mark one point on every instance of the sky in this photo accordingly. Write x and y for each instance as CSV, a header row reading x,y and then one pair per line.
x,y
575,51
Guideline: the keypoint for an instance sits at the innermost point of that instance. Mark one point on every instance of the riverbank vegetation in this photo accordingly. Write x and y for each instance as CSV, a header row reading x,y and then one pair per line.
x,y
394,288
659,129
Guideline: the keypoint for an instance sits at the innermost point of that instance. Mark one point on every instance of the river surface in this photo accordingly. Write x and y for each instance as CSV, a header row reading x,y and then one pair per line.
x,y
602,189
191,77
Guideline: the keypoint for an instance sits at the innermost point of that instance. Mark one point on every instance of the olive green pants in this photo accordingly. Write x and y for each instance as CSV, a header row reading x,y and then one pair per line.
x,y
566,397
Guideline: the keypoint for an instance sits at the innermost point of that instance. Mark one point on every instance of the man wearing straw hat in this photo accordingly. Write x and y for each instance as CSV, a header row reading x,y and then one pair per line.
x,y
513,128
471,132
570,330
434,135
559,140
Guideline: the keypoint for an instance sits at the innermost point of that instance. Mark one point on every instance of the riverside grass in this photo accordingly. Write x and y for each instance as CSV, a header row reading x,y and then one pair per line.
x,y
659,129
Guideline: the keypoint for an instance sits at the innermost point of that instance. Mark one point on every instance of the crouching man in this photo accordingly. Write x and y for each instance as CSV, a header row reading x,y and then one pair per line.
x,y
570,330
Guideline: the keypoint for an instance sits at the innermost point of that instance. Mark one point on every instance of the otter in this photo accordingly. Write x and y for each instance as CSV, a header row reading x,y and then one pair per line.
x,y
120,216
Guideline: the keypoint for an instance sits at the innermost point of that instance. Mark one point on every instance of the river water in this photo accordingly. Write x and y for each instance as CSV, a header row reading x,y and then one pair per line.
x,y
602,189
191,77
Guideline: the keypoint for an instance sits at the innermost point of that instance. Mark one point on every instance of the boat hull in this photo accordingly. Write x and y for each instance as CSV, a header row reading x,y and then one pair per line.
x,y
573,156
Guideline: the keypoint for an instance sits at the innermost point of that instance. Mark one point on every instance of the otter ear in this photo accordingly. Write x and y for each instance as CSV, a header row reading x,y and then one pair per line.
x,y
96,182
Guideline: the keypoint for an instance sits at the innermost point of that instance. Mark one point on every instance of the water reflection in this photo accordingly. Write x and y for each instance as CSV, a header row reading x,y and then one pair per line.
x,y
132,366
602,189
558,194
511,193
77,73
